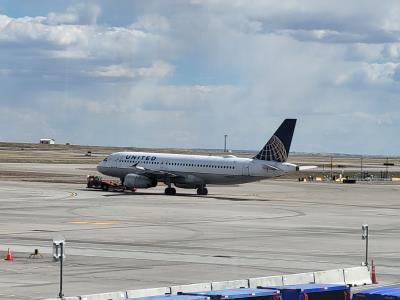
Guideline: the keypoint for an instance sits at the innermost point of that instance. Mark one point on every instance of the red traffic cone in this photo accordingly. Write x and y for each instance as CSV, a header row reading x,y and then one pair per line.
x,y
373,274
9,255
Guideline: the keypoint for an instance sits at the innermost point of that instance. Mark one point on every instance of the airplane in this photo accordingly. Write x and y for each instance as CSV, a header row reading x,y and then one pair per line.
x,y
145,169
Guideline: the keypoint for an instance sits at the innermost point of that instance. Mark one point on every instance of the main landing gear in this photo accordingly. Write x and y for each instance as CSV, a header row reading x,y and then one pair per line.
x,y
170,191
202,190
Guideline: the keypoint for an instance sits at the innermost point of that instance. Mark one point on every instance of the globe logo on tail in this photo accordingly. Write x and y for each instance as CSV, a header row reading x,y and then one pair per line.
x,y
273,150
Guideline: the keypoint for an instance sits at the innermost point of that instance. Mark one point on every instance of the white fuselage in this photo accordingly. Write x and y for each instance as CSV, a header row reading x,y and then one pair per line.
x,y
193,169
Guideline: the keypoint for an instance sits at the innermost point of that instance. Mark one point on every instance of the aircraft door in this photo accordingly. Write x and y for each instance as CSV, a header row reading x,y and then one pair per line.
x,y
246,170
114,161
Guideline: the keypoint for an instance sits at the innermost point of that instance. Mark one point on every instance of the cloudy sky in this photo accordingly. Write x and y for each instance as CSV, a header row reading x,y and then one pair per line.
x,y
184,73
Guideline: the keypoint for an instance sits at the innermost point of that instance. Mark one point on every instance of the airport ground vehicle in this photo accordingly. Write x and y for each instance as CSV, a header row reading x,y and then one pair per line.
x,y
97,182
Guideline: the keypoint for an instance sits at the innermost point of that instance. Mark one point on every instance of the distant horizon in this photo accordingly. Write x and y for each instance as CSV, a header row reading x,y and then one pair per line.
x,y
324,154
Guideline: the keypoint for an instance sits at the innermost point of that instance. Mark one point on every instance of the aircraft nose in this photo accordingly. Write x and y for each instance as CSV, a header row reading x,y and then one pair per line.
x,y
100,168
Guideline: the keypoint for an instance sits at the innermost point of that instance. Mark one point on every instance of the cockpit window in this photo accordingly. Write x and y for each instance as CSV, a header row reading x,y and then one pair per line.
x,y
105,159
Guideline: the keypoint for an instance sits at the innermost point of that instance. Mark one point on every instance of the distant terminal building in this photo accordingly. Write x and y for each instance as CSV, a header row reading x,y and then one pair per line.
x,y
47,141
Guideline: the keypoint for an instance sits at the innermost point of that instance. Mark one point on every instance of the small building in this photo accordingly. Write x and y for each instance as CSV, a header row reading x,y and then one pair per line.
x,y
47,141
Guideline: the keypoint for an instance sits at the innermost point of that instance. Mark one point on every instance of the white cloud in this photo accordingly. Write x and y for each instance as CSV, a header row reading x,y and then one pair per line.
x,y
368,74
83,13
27,30
380,72
152,23
4,21
158,69
184,74
67,36
391,51
58,19
113,71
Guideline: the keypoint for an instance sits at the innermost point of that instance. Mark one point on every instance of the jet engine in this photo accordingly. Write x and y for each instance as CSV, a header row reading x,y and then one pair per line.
x,y
139,181
188,182
185,185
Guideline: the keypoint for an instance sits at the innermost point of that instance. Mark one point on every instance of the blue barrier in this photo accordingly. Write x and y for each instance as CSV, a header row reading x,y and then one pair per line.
x,y
379,293
313,291
172,297
237,294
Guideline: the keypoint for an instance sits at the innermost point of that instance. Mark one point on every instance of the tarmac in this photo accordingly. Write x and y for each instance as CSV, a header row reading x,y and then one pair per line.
x,y
118,241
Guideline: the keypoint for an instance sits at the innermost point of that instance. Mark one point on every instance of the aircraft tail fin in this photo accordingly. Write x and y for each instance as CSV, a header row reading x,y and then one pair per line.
x,y
278,146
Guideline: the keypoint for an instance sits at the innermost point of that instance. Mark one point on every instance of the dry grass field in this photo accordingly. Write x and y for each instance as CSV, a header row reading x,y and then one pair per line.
x,y
27,153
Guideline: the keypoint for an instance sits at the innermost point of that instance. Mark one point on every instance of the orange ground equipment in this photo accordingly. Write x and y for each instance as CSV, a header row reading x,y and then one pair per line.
x,y
9,255
373,274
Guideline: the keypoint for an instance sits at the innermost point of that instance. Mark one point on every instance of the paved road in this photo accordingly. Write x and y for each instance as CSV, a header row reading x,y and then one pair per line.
x,y
120,241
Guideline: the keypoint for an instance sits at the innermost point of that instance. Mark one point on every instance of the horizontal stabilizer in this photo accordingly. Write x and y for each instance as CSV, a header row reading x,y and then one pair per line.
x,y
304,168
266,166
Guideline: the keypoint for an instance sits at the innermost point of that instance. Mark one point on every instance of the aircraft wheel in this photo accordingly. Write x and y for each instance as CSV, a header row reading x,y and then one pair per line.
x,y
202,191
170,191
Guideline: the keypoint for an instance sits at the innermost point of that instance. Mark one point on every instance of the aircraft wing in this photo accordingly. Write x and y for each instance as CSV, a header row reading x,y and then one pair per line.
x,y
147,171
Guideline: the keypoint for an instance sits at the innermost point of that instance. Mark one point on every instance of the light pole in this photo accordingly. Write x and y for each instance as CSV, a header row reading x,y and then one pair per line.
x,y
58,254
361,167
60,294
365,237
225,136
387,167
